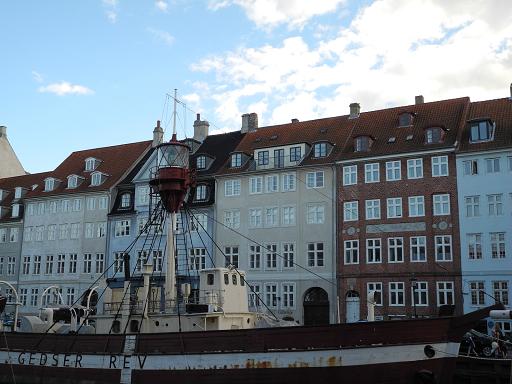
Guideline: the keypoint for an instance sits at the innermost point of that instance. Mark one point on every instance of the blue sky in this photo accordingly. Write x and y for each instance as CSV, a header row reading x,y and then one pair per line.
x,y
77,75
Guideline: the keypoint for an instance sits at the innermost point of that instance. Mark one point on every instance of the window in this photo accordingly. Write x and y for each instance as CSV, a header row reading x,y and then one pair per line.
x,y
315,254
3,235
73,260
125,200
263,158
11,265
28,234
39,233
200,192
198,222
444,293
36,270
254,256
272,183
142,226
441,205
288,295
405,119
492,165
498,245
34,294
255,220
472,204
320,150
351,251
393,171
231,256
96,179
49,265
396,294
394,206
500,291
100,262
90,203
101,229
433,135
372,209
470,167
371,173
17,192
373,251
289,182
295,154
75,231
419,291
23,296
443,247
316,213
495,204
13,235
272,217
143,194
477,293
72,181
474,245
278,158
395,250
15,210
377,288
103,202
158,261
232,218
40,209
30,209
118,262
61,263
70,296
416,206
255,184
232,187
236,160
122,228
87,263
439,166
350,175
90,164
315,179
362,144
254,295
271,295
418,245
481,131
288,215
288,253
270,256
201,162
197,259
26,265
49,184
351,211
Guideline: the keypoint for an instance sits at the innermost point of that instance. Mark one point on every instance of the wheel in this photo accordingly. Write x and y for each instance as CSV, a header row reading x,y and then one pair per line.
x,y
487,351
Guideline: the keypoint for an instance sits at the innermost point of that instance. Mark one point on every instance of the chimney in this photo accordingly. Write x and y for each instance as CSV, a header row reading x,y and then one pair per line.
x,y
158,134
295,121
510,97
200,128
355,109
419,99
3,129
249,122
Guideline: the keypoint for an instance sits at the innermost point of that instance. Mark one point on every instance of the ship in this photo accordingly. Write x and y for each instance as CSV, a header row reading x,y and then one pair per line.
x,y
214,338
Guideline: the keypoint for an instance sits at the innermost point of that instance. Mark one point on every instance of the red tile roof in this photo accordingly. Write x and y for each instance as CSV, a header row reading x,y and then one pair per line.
x,y
115,162
500,112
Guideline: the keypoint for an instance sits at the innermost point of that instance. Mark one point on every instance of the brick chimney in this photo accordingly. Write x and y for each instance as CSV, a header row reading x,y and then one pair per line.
x,y
355,110
3,131
249,122
419,99
200,128
158,134
295,121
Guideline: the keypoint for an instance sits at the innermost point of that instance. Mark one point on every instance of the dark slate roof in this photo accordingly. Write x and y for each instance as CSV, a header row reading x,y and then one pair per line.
x,y
499,111
115,161
381,125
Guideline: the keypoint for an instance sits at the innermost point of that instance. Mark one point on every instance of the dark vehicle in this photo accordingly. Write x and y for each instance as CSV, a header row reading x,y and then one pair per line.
x,y
481,345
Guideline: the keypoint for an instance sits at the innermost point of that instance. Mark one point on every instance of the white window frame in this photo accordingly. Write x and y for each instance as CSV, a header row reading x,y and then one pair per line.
x,y
396,293
255,185
416,244
350,175
440,166
351,211
393,170
441,204
394,207
440,241
415,168
395,250
372,209
416,206
351,252
315,179
373,251
444,290
372,173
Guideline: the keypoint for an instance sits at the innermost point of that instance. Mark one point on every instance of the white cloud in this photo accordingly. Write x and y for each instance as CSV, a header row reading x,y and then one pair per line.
x,y
392,50
110,10
163,36
38,78
64,88
161,5
269,13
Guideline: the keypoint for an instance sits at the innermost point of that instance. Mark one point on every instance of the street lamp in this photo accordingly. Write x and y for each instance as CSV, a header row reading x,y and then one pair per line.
x,y
414,284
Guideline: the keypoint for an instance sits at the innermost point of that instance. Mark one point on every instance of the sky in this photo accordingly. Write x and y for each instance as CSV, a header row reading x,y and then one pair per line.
x,y
78,75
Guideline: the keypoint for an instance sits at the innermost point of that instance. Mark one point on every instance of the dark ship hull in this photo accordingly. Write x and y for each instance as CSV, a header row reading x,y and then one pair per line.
x,y
406,351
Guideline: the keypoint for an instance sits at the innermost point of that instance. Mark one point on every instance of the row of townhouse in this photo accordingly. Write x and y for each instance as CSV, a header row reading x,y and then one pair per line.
x,y
413,202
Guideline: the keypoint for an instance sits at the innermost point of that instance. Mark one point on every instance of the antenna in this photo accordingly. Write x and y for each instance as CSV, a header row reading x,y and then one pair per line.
x,y
174,114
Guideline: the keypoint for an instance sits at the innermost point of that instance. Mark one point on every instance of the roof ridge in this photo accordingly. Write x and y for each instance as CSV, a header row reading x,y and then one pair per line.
x,y
112,146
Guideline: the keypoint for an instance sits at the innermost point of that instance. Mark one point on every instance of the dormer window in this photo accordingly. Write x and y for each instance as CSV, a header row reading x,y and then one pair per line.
x,y
96,178
91,163
201,162
200,193
126,200
15,210
320,150
18,191
236,160
482,131
3,194
72,181
405,119
263,158
434,135
362,143
49,184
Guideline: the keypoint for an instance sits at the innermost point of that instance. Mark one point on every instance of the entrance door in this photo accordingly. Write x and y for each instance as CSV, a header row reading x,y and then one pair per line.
x,y
316,307
352,303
